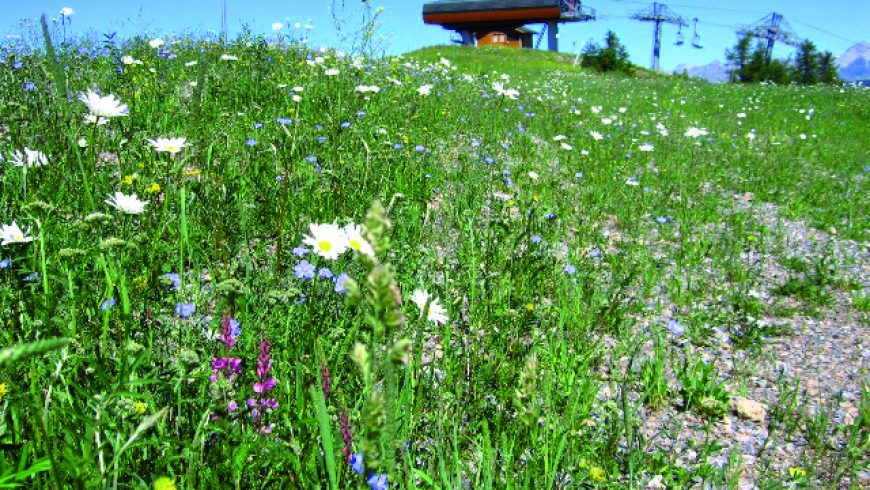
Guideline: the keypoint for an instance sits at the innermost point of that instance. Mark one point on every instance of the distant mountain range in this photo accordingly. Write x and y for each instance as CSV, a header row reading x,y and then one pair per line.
x,y
854,67
855,63
715,71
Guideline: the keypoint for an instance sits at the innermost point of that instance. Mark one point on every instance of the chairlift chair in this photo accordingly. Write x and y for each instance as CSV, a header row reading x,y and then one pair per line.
x,y
696,38
680,41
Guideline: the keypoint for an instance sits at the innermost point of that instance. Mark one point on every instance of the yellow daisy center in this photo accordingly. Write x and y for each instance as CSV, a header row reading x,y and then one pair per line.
x,y
324,245
355,244
170,148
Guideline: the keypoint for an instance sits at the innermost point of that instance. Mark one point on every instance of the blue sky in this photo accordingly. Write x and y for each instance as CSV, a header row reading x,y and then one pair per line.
x,y
833,25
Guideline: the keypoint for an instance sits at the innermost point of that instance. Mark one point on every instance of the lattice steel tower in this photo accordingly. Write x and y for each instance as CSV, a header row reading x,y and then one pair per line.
x,y
773,28
660,14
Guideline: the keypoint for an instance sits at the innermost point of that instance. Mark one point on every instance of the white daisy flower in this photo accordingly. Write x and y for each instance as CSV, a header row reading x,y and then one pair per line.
x,y
156,43
126,204
694,132
29,158
424,90
12,234
646,147
103,108
356,241
328,240
169,145
434,311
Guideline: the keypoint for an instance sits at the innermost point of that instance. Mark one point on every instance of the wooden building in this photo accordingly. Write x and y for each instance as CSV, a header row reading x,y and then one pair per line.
x,y
497,21
520,37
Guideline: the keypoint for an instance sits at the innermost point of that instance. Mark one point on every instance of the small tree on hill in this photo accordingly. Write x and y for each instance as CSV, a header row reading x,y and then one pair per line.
x,y
828,68
612,57
738,60
806,69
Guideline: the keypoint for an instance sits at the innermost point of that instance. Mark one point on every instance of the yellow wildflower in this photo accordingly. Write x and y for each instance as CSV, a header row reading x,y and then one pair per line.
x,y
140,408
530,307
164,483
597,474
141,281
127,180
796,472
153,188
3,390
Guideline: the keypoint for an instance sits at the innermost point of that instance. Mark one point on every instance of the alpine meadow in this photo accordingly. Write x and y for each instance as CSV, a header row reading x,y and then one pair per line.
x,y
253,263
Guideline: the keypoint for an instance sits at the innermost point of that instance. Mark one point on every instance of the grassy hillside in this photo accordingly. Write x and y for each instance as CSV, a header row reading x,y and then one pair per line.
x,y
455,268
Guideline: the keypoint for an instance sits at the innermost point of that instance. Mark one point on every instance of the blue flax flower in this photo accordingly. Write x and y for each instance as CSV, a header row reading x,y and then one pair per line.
x,y
339,283
300,251
378,481
324,273
185,310
356,463
107,304
570,269
304,270
175,279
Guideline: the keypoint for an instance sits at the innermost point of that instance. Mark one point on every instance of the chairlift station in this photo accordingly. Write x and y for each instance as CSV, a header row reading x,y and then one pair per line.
x,y
500,22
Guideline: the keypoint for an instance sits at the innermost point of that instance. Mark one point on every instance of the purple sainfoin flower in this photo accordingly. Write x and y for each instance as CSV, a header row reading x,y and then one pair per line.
x,y
265,384
346,435
185,310
378,481
228,338
356,463
304,270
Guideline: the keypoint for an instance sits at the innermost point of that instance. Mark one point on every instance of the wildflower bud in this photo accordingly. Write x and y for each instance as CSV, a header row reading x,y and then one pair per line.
x,y
400,351
353,294
360,357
